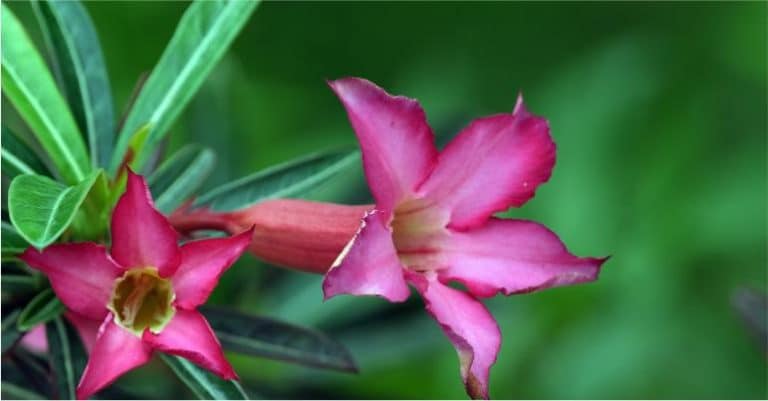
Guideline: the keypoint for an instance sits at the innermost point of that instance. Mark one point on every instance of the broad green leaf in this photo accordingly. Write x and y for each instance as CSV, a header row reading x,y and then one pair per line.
x,y
41,209
28,84
18,158
205,385
204,33
180,176
12,243
75,49
13,391
10,330
67,356
42,308
92,220
269,338
284,180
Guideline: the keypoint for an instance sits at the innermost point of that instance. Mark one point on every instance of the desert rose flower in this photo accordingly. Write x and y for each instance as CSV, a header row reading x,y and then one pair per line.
x,y
144,291
433,220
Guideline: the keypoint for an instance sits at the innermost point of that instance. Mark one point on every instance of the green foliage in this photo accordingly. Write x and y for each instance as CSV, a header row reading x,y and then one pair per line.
x,y
273,339
77,58
42,308
41,209
28,84
205,385
13,243
180,176
68,357
10,329
285,180
18,158
201,38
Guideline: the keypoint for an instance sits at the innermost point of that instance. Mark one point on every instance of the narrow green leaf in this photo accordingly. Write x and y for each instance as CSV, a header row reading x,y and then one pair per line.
x,y
77,55
12,243
19,285
180,176
10,330
41,209
205,385
15,392
284,180
67,356
28,84
272,339
18,158
202,37
42,308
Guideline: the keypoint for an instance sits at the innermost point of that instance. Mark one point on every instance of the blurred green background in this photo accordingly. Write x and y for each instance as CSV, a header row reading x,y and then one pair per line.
x,y
659,114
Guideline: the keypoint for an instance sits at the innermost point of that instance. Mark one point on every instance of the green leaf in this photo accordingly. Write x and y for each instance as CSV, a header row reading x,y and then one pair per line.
x,y
18,158
19,285
272,339
13,391
284,180
41,209
180,176
203,35
77,55
28,84
10,330
67,356
12,243
205,385
42,308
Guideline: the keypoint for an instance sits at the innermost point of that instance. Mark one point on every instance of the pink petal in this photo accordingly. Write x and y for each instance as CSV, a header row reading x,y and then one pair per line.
x,y
495,162
116,351
88,329
188,335
141,236
202,263
396,141
35,340
81,274
469,326
368,265
513,256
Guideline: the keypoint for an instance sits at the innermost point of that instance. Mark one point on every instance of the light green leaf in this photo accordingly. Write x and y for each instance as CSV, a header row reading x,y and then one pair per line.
x,y
282,181
180,176
67,356
28,84
205,385
272,339
41,209
42,308
76,52
18,158
203,35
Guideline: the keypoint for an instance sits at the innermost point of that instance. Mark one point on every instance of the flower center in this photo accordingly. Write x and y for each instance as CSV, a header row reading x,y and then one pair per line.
x,y
142,299
416,230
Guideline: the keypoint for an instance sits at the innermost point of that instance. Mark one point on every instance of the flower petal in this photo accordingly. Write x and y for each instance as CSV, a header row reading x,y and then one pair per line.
x,y
395,139
81,274
35,340
368,265
188,335
88,329
469,326
202,263
495,162
513,256
141,236
115,352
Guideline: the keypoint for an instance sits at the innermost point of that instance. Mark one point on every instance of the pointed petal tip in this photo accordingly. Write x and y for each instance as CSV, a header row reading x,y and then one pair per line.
x,y
520,108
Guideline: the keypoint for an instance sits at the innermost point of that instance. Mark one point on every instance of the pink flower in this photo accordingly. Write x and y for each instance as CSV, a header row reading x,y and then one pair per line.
x,y
433,223
145,291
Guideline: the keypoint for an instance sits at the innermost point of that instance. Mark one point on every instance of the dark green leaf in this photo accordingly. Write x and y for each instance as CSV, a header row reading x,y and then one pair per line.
x,y
282,181
42,308
67,356
205,385
28,84
77,56
19,286
41,209
12,243
10,330
12,391
201,38
269,338
180,176
18,158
